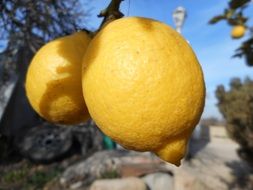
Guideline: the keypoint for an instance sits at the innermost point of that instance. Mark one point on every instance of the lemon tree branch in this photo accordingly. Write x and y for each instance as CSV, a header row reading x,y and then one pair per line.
x,y
111,13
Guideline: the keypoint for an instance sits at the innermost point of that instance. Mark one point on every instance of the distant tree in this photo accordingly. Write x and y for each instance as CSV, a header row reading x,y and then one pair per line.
x,y
234,16
236,105
211,121
27,24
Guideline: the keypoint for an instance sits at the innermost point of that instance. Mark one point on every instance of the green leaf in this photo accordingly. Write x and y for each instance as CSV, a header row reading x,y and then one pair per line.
x,y
234,4
229,13
233,21
216,19
246,51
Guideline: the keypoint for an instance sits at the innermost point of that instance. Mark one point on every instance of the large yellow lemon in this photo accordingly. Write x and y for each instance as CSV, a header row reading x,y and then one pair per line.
x,y
143,86
238,31
53,81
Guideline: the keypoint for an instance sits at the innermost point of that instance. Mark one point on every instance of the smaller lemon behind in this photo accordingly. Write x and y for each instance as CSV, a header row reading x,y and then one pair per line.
x,y
53,81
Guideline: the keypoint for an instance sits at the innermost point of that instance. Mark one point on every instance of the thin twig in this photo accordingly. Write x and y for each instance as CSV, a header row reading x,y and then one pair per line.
x,y
111,13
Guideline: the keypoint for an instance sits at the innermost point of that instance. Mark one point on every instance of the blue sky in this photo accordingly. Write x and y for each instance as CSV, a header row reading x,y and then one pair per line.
x,y
211,43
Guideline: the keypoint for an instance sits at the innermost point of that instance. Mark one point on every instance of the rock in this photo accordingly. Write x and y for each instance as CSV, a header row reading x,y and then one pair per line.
x,y
135,157
159,181
53,185
45,143
131,183
93,167
6,89
88,137
141,169
76,185
111,164
48,143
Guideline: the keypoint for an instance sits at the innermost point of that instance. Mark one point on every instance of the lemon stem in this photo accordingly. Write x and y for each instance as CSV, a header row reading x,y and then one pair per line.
x,y
111,13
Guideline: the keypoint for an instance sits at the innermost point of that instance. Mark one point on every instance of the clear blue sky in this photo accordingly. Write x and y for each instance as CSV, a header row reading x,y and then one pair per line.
x,y
211,43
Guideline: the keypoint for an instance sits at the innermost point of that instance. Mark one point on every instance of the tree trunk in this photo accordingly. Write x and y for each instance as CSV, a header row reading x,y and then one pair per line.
x,y
18,114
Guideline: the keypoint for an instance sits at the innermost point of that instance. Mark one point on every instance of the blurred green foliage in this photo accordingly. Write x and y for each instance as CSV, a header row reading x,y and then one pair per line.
x,y
110,174
15,176
40,178
236,106
28,177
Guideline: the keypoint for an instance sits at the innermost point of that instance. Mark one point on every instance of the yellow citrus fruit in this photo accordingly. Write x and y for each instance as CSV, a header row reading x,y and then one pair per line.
x,y
238,31
143,86
53,81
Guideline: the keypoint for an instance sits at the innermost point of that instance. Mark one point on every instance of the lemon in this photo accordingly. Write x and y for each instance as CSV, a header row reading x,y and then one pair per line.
x,y
144,86
53,81
238,31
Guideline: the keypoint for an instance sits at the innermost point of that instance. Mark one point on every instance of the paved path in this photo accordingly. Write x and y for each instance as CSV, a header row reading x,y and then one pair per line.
x,y
215,166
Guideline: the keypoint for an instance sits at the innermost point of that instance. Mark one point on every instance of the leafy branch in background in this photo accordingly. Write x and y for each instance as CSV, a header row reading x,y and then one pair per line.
x,y
29,24
234,16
